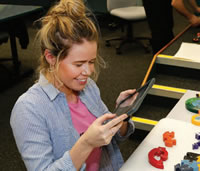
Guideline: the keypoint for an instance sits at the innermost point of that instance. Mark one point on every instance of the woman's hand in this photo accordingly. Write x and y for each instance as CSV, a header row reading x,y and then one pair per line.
x,y
99,134
125,94
198,9
194,20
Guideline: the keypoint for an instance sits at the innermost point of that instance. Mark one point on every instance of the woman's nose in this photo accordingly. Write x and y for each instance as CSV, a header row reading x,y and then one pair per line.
x,y
86,70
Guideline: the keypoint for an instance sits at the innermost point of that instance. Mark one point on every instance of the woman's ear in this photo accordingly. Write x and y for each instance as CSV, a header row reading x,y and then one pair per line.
x,y
49,57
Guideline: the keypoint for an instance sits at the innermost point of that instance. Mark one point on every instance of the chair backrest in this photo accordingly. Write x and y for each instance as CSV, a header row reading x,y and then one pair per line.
x,y
113,4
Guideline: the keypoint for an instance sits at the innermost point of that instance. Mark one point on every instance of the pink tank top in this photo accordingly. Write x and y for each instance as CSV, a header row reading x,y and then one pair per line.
x,y
82,119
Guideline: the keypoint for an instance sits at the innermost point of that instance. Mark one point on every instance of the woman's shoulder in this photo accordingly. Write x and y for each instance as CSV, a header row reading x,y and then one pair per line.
x,y
33,100
34,103
33,94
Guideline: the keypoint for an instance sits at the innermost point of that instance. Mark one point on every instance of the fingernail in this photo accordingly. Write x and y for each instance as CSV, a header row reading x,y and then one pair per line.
x,y
125,115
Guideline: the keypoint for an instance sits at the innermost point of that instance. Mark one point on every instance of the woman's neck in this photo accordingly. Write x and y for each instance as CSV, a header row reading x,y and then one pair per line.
x,y
71,95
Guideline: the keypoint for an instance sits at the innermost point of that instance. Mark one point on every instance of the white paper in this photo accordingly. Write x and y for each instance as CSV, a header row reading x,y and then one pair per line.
x,y
189,51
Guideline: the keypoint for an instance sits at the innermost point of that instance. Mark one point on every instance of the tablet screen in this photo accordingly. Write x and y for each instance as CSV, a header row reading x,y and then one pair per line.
x,y
133,107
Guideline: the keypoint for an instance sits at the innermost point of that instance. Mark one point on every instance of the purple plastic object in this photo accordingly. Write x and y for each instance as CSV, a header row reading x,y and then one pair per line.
x,y
197,136
195,146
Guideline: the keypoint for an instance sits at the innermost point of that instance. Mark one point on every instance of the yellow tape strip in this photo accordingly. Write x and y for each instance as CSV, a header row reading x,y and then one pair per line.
x,y
198,162
198,159
145,121
172,57
169,88
165,56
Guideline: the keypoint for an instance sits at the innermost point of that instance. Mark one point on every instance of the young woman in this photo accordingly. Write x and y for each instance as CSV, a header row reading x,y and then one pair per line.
x,y
61,123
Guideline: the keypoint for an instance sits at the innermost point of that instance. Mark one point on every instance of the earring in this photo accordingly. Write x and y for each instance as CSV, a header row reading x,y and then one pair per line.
x,y
51,68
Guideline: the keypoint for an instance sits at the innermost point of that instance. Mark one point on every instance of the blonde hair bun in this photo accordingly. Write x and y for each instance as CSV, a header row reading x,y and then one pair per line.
x,y
74,9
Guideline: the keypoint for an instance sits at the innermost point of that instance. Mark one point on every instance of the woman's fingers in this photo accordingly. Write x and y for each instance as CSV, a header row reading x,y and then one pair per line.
x,y
124,94
114,129
115,121
101,120
99,133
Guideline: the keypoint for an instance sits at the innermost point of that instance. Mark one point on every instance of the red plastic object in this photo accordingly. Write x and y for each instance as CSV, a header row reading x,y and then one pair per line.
x,y
195,39
168,138
160,152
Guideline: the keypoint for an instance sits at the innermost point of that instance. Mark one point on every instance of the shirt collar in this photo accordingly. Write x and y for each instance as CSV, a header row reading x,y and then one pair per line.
x,y
48,88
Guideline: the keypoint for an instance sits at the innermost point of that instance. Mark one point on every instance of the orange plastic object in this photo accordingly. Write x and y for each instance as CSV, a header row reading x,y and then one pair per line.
x,y
160,152
196,119
168,138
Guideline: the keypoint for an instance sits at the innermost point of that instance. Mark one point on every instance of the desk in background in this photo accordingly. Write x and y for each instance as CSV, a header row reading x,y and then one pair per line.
x,y
12,17
185,36
43,3
178,66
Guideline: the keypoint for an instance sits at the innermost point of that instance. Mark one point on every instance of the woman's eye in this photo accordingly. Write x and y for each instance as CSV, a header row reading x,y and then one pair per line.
x,y
78,65
92,62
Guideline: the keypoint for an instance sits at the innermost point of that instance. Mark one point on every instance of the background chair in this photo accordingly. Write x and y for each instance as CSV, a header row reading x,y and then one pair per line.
x,y
96,6
129,12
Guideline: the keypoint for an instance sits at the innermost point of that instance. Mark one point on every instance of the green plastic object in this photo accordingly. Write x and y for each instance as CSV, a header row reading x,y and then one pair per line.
x,y
193,104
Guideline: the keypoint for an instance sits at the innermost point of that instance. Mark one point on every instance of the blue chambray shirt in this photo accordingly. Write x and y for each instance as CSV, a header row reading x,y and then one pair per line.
x,y
43,129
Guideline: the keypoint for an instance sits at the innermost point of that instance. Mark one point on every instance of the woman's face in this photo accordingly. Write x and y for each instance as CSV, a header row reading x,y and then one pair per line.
x,y
77,66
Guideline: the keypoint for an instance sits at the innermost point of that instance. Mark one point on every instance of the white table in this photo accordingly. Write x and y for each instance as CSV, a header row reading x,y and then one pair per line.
x,y
184,135
179,111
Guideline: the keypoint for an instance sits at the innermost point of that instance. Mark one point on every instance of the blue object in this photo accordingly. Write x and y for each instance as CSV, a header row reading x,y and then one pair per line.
x,y
184,167
192,164
196,103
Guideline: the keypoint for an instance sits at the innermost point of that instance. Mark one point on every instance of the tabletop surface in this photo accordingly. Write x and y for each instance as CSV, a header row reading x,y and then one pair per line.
x,y
184,135
8,12
185,37
179,111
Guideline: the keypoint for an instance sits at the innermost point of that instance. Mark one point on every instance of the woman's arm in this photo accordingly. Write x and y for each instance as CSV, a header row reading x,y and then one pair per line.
x,y
180,7
195,6
35,141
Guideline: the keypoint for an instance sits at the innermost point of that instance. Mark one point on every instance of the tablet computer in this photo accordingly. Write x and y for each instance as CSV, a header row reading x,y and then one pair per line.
x,y
132,108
